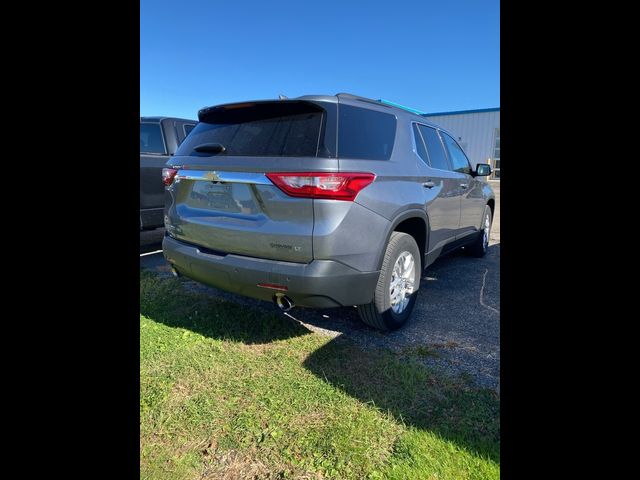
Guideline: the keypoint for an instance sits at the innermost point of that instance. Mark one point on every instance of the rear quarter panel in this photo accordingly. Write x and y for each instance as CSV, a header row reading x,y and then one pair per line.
x,y
348,233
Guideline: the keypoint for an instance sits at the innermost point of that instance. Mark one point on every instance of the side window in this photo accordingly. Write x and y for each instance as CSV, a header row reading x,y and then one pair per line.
x,y
364,133
456,155
187,128
434,146
420,148
151,138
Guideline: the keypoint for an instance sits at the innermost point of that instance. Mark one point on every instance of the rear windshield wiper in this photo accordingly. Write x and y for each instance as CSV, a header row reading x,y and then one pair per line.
x,y
210,148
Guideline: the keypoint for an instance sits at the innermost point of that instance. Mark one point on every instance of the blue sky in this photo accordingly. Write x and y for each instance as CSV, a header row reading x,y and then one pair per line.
x,y
431,56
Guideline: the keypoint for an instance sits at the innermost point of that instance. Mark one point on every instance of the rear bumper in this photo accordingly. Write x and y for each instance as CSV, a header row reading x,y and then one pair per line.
x,y
320,284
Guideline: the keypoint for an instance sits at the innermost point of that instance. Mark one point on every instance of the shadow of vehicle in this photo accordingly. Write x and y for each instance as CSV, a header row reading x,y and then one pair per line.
x,y
211,317
399,384
412,394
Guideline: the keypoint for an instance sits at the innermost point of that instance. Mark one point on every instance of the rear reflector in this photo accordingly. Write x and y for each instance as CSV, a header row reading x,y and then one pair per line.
x,y
168,174
335,186
274,286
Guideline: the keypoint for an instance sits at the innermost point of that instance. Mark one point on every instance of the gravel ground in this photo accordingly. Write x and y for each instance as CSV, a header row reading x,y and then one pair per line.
x,y
456,319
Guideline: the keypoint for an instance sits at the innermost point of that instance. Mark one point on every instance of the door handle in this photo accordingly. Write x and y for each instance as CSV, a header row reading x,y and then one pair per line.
x,y
429,184
464,185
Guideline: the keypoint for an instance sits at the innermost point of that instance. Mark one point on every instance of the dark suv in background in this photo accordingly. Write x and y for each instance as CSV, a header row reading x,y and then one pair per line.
x,y
159,139
322,201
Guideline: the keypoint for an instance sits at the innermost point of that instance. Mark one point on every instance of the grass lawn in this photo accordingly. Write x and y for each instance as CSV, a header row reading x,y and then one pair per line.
x,y
227,391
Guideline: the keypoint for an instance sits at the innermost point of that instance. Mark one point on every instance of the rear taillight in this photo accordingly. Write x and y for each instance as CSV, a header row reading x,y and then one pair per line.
x,y
168,174
335,186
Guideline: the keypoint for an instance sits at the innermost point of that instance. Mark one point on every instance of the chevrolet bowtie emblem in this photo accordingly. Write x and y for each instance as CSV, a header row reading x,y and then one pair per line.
x,y
213,176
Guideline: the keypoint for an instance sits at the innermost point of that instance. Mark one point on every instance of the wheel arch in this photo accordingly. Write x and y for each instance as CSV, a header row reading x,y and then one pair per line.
x,y
414,223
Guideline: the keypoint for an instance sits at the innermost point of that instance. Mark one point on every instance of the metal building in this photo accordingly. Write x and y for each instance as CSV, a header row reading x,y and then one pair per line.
x,y
477,132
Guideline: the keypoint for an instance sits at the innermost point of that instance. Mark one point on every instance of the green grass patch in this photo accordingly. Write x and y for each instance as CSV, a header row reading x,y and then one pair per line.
x,y
227,391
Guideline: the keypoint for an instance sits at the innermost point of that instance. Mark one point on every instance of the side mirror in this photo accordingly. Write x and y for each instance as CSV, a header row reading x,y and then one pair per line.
x,y
483,170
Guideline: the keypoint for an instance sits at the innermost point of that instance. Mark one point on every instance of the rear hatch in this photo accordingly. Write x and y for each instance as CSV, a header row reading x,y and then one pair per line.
x,y
220,197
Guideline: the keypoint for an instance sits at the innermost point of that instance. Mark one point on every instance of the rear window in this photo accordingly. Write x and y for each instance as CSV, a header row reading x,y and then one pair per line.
x,y
151,138
365,133
422,151
270,129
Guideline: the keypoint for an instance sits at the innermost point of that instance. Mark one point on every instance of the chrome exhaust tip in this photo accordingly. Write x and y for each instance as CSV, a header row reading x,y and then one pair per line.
x,y
283,302
175,272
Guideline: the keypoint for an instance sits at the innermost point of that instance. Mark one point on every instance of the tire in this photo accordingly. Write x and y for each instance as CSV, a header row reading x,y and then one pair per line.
x,y
480,246
381,314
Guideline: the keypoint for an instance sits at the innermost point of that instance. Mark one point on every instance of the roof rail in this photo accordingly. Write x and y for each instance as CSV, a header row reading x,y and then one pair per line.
x,y
357,97
412,110
458,112
351,95
380,101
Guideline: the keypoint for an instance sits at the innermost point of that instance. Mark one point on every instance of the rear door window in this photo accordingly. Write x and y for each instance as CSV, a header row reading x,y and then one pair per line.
x,y
456,155
364,133
151,140
437,156
420,148
270,129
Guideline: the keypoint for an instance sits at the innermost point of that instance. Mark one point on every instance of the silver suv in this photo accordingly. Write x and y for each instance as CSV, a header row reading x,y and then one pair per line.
x,y
321,201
